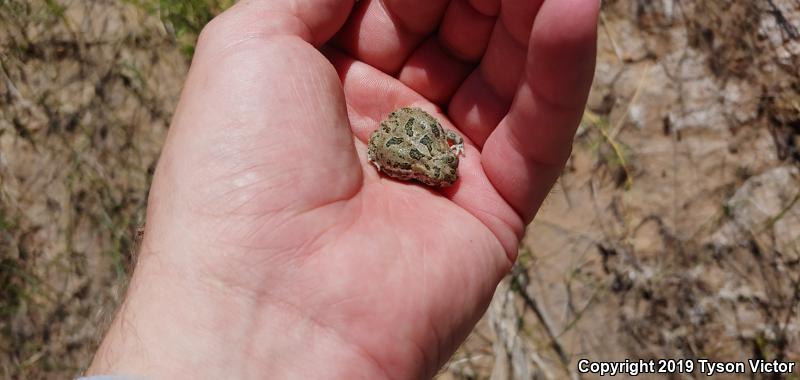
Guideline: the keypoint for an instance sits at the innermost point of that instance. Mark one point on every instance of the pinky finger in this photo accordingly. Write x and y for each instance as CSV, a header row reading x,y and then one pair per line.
x,y
527,151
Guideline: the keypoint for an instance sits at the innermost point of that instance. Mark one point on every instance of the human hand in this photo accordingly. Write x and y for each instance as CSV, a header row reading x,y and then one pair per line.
x,y
273,249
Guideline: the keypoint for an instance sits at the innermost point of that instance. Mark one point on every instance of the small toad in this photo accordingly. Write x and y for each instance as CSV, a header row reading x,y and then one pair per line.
x,y
411,144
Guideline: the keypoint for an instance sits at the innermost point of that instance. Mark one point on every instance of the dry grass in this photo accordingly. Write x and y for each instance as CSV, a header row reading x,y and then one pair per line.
x,y
88,89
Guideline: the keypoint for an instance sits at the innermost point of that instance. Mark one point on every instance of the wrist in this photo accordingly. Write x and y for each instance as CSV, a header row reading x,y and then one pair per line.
x,y
170,326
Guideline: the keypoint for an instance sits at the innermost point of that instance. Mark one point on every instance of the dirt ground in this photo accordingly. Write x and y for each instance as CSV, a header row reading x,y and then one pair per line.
x,y
674,232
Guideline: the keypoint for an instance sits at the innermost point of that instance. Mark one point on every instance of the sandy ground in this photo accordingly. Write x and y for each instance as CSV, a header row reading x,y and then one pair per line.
x,y
674,232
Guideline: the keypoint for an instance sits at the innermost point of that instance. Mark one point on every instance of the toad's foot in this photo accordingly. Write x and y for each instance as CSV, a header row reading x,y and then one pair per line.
x,y
376,164
458,142
458,149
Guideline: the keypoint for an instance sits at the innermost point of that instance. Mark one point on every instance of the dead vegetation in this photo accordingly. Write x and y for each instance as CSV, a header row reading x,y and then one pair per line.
x,y
87,92
674,232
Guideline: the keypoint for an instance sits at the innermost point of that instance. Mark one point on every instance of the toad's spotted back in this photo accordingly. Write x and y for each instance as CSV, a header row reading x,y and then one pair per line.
x,y
411,144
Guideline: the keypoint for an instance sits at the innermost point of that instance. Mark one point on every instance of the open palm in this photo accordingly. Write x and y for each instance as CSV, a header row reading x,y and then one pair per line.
x,y
264,195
